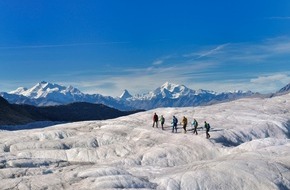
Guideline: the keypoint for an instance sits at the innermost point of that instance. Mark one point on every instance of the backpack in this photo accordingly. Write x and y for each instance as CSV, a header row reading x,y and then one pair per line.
x,y
185,121
207,126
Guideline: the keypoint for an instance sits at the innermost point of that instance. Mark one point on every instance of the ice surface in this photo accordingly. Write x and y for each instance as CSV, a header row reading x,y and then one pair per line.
x,y
249,148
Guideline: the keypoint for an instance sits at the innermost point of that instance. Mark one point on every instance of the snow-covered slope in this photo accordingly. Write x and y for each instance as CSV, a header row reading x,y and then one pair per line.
x,y
249,148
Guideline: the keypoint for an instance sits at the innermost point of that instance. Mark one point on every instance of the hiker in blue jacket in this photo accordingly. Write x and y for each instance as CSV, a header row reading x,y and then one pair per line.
x,y
174,124
195,124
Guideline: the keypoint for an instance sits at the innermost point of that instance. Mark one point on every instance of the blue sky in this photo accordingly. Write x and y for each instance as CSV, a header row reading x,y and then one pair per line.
x,y
107,46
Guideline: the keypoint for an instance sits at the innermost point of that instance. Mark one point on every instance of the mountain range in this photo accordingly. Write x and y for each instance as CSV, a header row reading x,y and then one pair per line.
x,y
49,94
168,95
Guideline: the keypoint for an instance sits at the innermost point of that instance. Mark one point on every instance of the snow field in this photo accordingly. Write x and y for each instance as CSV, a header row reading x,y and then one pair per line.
x,y
249,148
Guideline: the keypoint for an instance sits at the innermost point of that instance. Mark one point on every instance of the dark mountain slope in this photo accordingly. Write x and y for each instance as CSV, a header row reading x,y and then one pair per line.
x,y
10,115
13,114
79,111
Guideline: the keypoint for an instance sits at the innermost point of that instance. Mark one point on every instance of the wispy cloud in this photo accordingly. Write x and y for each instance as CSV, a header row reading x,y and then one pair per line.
x,y
280,77
277,46
279,18
249,53
158,62
269,83
206,53
60,45
163,59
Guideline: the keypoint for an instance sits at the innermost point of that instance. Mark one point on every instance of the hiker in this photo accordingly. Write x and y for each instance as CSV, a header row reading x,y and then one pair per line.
x,y
162,120
184,123
195,124
174,124
155,120
207,127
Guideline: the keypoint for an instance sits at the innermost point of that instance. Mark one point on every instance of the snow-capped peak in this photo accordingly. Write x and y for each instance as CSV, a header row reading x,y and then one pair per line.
x,y
73,90
169,86
167,90
43,89
171,90
125,95
18,91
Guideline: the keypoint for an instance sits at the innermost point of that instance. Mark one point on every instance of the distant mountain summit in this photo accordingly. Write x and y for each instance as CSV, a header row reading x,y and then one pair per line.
x,y
167,95
45,94
125,95
45,89
169,90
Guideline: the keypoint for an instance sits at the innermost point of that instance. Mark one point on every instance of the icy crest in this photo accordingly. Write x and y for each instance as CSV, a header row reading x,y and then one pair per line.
x,y
18,91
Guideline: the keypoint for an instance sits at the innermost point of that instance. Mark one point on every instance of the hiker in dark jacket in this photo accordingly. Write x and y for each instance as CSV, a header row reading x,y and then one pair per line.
x,y
155,120
162,120
207,127
184,123
174,124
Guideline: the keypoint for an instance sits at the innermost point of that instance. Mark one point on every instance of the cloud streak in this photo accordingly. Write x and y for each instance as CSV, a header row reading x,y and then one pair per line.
x,y
162,60
158,62
279,18
60,45
281,78
206,53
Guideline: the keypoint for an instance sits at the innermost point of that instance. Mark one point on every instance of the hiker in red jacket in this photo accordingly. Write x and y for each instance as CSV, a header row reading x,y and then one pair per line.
x,y
155,120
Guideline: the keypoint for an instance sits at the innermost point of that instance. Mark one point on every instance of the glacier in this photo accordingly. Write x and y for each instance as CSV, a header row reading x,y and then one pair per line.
x,y
249,148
